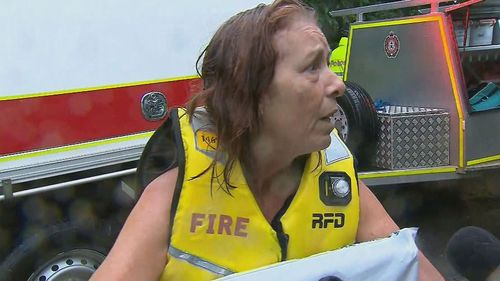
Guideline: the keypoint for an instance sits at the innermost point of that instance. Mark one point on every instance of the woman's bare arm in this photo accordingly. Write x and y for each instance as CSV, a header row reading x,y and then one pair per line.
x,y
140,251
375,222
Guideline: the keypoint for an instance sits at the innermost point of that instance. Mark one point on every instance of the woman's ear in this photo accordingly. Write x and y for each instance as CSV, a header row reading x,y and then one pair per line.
x,y
261,110
264,105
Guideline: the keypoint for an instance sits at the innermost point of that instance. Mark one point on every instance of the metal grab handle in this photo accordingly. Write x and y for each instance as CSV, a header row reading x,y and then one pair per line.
x,y
387,6
67,184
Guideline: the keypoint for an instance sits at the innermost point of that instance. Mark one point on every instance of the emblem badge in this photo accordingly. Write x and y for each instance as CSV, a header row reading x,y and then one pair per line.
x,y
391,45
206,141
154,106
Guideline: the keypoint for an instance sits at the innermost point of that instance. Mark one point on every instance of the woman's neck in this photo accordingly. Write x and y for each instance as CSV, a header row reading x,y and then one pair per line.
x,y
272,169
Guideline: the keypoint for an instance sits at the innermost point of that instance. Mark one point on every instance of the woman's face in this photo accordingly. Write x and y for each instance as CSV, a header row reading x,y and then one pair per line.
x,y
297,107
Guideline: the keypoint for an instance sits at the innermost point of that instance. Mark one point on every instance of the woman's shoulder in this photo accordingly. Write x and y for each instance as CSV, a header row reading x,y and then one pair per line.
x,y
165,181
143,234
160,191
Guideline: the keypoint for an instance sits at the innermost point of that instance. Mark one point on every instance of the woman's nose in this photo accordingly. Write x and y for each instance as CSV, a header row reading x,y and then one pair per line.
x,y
335,86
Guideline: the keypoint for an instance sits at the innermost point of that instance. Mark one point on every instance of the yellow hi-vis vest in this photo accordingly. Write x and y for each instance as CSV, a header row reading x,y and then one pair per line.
x,y
338,57
215,234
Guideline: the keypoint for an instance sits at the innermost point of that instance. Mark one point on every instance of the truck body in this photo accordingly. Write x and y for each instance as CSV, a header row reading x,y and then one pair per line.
x,y
83,85
418,69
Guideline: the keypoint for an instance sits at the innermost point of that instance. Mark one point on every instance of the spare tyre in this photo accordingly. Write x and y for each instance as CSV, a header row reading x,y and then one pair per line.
x,y
357,123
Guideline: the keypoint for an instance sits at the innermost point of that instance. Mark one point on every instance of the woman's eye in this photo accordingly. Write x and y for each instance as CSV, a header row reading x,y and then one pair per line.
x,y
313,67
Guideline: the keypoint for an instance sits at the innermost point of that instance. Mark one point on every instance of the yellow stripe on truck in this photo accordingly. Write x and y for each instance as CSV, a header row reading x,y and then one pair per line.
x,y
50,151
63,92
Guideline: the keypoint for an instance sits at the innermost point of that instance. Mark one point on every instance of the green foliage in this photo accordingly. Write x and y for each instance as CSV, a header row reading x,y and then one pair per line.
x,y
335,27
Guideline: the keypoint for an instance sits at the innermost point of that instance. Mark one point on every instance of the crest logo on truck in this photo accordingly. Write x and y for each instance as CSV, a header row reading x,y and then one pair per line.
x,y
154,106
391,45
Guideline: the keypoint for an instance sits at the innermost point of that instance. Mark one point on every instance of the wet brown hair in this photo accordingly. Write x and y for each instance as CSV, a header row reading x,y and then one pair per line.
x,y
238,67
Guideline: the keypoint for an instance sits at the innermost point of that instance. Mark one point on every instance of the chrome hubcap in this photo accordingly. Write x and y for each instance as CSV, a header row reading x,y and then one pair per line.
x,y
340,121
74,265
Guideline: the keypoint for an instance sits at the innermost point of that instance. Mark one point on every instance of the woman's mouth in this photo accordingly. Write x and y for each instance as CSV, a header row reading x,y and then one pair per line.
x,y
329,117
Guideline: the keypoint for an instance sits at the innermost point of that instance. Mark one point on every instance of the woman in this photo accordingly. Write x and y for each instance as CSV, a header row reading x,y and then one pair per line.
x,y
256,166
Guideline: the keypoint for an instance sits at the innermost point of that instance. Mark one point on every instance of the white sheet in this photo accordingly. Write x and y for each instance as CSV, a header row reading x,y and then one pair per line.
x,y
393,258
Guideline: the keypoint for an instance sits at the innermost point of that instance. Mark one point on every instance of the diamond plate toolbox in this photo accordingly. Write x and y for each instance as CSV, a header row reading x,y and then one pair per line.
x,y
412,137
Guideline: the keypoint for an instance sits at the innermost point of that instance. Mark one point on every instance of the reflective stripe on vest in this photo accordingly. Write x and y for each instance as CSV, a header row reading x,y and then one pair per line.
x,y
197,261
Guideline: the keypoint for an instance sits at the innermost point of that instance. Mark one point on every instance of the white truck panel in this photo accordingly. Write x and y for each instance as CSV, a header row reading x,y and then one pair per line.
x,y
57,45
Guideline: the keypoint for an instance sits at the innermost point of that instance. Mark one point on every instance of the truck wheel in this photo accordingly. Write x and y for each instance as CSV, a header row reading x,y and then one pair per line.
x,y
357,123
60,252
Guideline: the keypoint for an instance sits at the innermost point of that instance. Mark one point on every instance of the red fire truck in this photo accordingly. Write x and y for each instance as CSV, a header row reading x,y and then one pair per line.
x,y
83,85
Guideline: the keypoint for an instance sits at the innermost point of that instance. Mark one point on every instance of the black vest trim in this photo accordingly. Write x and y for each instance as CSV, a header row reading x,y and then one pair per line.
x,y
181,160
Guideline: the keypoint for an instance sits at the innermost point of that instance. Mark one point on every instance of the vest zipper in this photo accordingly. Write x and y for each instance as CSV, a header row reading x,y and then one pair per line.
x,y
276,224
283,240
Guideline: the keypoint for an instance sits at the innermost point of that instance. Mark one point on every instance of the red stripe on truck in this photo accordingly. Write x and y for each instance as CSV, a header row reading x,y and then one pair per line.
x,y
56,120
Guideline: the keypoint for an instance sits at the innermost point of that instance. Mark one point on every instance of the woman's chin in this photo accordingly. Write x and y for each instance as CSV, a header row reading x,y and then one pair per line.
x,y
313,144
326,142
322,143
